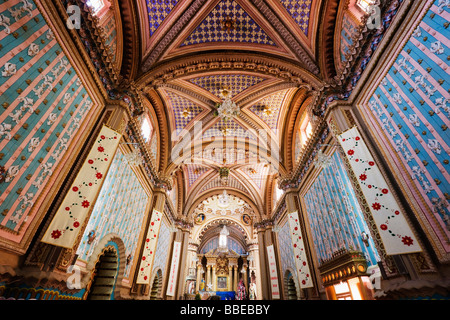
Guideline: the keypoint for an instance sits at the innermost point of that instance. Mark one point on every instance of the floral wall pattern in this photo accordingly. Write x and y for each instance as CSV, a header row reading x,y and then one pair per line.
x,y
410,112
43,105
335,217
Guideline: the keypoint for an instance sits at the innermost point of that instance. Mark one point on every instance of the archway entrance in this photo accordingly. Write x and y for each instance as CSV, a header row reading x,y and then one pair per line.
x,y
290,287
156,286
104,276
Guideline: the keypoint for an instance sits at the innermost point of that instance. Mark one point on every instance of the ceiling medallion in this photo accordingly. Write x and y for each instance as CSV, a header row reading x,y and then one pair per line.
x,y
227,110
186,113
268,111
223,173
228,24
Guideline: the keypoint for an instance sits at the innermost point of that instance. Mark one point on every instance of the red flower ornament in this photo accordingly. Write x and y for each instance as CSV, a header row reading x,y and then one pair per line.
x,y
383,227
407,241
56,234
85,204
384,191
350,152
101,149
376,206
363,177
98,175
76,224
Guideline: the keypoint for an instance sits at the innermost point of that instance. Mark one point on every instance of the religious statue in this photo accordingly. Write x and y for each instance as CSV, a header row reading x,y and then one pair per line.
x,y
202,285
191,287
252,291
241,291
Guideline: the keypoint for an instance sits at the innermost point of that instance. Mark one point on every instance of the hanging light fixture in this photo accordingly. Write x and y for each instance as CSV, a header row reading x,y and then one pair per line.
x,y
223,239
134,157
228,109
322,161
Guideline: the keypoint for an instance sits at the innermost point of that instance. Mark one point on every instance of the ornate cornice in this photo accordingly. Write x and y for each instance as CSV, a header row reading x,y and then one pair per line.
x,y
319,136
202,63
366,42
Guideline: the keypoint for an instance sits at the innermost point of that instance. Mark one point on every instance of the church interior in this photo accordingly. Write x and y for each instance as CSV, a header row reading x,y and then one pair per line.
x,y
224,149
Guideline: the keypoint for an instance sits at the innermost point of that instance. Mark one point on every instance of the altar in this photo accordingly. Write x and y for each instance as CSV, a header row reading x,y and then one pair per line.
x,y
220,272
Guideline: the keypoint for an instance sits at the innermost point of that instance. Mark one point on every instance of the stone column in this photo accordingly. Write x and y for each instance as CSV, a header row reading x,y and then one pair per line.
x,y
235,282
208,276
230,279
214,279
263,262
183,263
244,275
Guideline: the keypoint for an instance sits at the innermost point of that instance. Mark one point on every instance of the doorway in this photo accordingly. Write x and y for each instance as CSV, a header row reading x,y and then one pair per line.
x,y
156,286
104,276
291,289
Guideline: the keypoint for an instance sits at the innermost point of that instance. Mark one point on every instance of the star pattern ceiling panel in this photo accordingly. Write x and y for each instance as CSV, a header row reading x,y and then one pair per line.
x,y
235,82
268,108
300,11
217,183
158,10
228,129
257,173
184,110
195,171
242,27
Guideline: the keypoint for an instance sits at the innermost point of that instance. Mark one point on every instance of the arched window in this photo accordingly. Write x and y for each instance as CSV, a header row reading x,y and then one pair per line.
x,y
365,4
146,128
305,130
95,5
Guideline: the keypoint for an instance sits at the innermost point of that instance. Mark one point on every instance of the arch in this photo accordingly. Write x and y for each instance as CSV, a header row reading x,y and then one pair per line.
x,y
202,233
108,241
156,289
192,206
104,275
291,287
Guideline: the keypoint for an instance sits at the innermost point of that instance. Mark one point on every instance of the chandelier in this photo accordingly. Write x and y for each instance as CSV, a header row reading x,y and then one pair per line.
x,y
322,161
227,110
134,157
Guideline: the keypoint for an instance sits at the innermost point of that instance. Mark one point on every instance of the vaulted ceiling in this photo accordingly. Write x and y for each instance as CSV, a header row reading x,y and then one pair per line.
x,y
271,54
